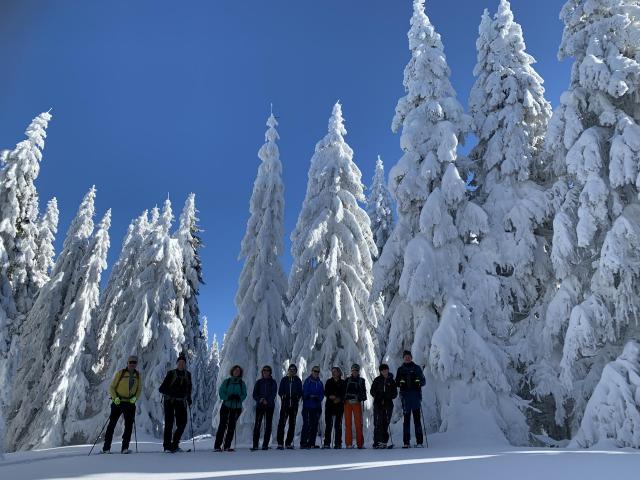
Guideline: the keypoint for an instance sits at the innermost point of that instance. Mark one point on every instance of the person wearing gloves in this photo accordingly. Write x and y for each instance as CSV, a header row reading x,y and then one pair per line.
x,y
176,395
232,393
410,381
124,390
290,392
383,391
264,393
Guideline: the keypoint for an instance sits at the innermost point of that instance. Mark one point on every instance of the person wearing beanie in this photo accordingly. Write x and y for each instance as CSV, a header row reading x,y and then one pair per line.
x,y
124,390
290,392
383,391
354,397
176,395
232,393
410,380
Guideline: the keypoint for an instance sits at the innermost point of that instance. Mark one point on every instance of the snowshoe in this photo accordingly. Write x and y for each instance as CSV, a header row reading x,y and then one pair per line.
x,y
265,448
280,447
389,447
324,447
254,449
349,447
106,452
418,445
168,450
229,450
125,451
316,446
337,447
217,450
362,447
406,445
290,447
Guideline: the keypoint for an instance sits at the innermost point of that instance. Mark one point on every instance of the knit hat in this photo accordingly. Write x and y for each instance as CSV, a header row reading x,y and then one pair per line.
x,y
383,366
355,366
293,366
132,358
407,352
182,357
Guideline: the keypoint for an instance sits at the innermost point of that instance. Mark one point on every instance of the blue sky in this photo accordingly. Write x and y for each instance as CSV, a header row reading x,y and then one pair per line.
x,y
157,98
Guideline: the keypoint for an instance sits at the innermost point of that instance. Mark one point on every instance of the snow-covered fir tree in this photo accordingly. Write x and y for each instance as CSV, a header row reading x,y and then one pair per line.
x,y
150,326
425,137
38,334
256,335
45,253
612,414
58,405
596,140
379,207
510,268
331,318
213,372
19,213
203,383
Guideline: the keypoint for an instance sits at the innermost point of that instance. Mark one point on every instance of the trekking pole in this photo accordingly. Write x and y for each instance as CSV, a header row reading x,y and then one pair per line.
x,y
389,427
135,432
98,437
424,428
193,439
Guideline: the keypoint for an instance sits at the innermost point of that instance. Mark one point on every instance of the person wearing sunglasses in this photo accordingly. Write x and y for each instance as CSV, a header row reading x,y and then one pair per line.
x,y
264,393
124,390
312,395
290,392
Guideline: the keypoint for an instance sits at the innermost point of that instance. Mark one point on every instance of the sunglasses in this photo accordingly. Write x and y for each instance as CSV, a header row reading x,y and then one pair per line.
x,y
315,371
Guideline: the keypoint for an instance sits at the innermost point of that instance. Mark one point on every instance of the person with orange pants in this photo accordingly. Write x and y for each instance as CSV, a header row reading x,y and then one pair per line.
x,y
355,395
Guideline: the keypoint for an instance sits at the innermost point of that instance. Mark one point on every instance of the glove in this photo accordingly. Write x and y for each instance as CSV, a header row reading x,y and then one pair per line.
x,y
133,399
116,401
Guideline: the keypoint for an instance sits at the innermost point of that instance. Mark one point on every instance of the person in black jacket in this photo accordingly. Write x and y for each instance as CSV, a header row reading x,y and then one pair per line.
x,y
354,397
410,380
334,408
264,393
383,391
290,392
176,393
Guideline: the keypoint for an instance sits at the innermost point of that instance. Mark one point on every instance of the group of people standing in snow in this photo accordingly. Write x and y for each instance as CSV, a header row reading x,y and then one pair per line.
x,y
343,398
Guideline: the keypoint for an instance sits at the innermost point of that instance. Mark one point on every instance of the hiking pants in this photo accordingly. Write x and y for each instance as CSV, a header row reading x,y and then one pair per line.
x,y
406,427
126,409
174,409
353,414
227,426
381,420
267,414
333,421
287,414
310,420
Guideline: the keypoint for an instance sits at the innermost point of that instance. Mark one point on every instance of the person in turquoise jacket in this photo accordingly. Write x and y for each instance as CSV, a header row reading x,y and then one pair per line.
x,y
232,393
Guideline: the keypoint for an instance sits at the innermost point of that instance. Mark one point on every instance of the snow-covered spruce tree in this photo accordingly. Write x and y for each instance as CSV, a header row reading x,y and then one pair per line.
x,y
38,335
45,253
510,269
19,214
379,207
149,326
190,242
612,414
256,335
203,383
331,318
60,403
596,138
429,99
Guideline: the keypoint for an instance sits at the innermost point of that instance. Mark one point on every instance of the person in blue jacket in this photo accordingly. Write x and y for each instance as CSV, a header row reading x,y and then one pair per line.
x,y
290,392
264,393
312,395
410,380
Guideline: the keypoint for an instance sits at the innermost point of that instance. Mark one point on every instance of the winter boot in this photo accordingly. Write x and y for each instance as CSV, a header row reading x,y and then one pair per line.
x,y
280,447
218,450
125,451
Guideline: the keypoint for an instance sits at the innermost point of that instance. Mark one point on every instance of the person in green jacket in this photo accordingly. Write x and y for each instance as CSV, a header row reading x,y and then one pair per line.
x,y
232,392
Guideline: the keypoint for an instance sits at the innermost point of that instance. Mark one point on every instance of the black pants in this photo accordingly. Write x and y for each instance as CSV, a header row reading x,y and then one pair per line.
x,y
310,421
174,409
265,413
227,426
381,420
128,410
406,427
333,414
287,413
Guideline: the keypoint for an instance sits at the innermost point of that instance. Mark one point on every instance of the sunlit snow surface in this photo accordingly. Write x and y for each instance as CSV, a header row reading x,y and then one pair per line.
x,y
437,462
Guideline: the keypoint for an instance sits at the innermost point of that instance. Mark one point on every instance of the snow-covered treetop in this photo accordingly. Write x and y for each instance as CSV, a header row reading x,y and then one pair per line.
x,y
379,207
507,102
47,229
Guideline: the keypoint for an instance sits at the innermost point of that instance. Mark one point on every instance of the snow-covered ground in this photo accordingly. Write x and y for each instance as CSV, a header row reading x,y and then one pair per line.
x,y
438,462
